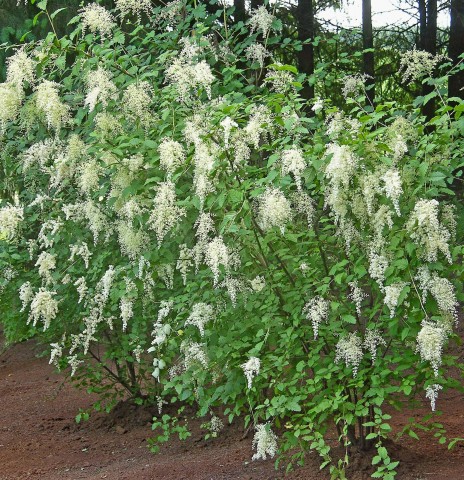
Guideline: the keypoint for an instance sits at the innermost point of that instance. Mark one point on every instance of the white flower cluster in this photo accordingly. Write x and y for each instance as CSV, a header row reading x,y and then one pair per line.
x,y
257,53
187,76
89,176
46,263
184,262
194,354
292,161
217,254
134,7
10,218
273,209
172,155
430,341
258,125
341,166
427,232
303,205
431,393
161,330
281,80
200,315
337,124
132,241
43,307
258,283
10,103
165,214
215,425
349,349
265,442
56,353
228,124
357,296
251,369
378,265
126,308
204,162
97,19
392,295
47,232
81,287
20,69
49,104
81,250
261,20
441,289
417,64
136,102
372,340
26,294
316,311
393,188
354,85
100,88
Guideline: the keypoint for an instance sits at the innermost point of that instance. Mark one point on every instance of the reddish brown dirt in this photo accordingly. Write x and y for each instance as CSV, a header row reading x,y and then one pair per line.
x,y
40,440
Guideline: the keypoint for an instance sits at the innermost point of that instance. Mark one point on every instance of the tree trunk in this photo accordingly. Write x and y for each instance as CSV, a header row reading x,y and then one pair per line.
x,y
305,19
422,24
256,3
456,47
428,42
368,44
240,13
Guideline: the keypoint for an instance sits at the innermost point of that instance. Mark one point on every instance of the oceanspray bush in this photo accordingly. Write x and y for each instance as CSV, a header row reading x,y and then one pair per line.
x,y
178,226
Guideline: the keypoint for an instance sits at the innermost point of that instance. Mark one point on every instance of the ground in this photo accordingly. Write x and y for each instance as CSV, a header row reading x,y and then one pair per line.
x,y
39,438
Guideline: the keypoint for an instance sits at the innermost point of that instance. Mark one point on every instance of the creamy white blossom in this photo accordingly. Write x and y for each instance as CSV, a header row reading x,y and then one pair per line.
x,y
46,263
48,102
273,209
100,88
372,340
26,294
292,161
172,155
317,312
257,53
393,188
11,217
261,20
165,214
97,19
430,342
217,254
349,350
251,369
20,69
392,295
200,315
126,308
134,7
417,64
44,307
80,250
10,103
357,296
427,232
431,393
265,442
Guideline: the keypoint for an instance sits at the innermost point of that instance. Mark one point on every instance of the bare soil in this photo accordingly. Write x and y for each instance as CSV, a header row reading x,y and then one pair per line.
x,y
39,438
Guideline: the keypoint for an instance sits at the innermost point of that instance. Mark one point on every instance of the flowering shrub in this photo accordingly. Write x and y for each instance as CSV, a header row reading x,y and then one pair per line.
x,y
178,228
